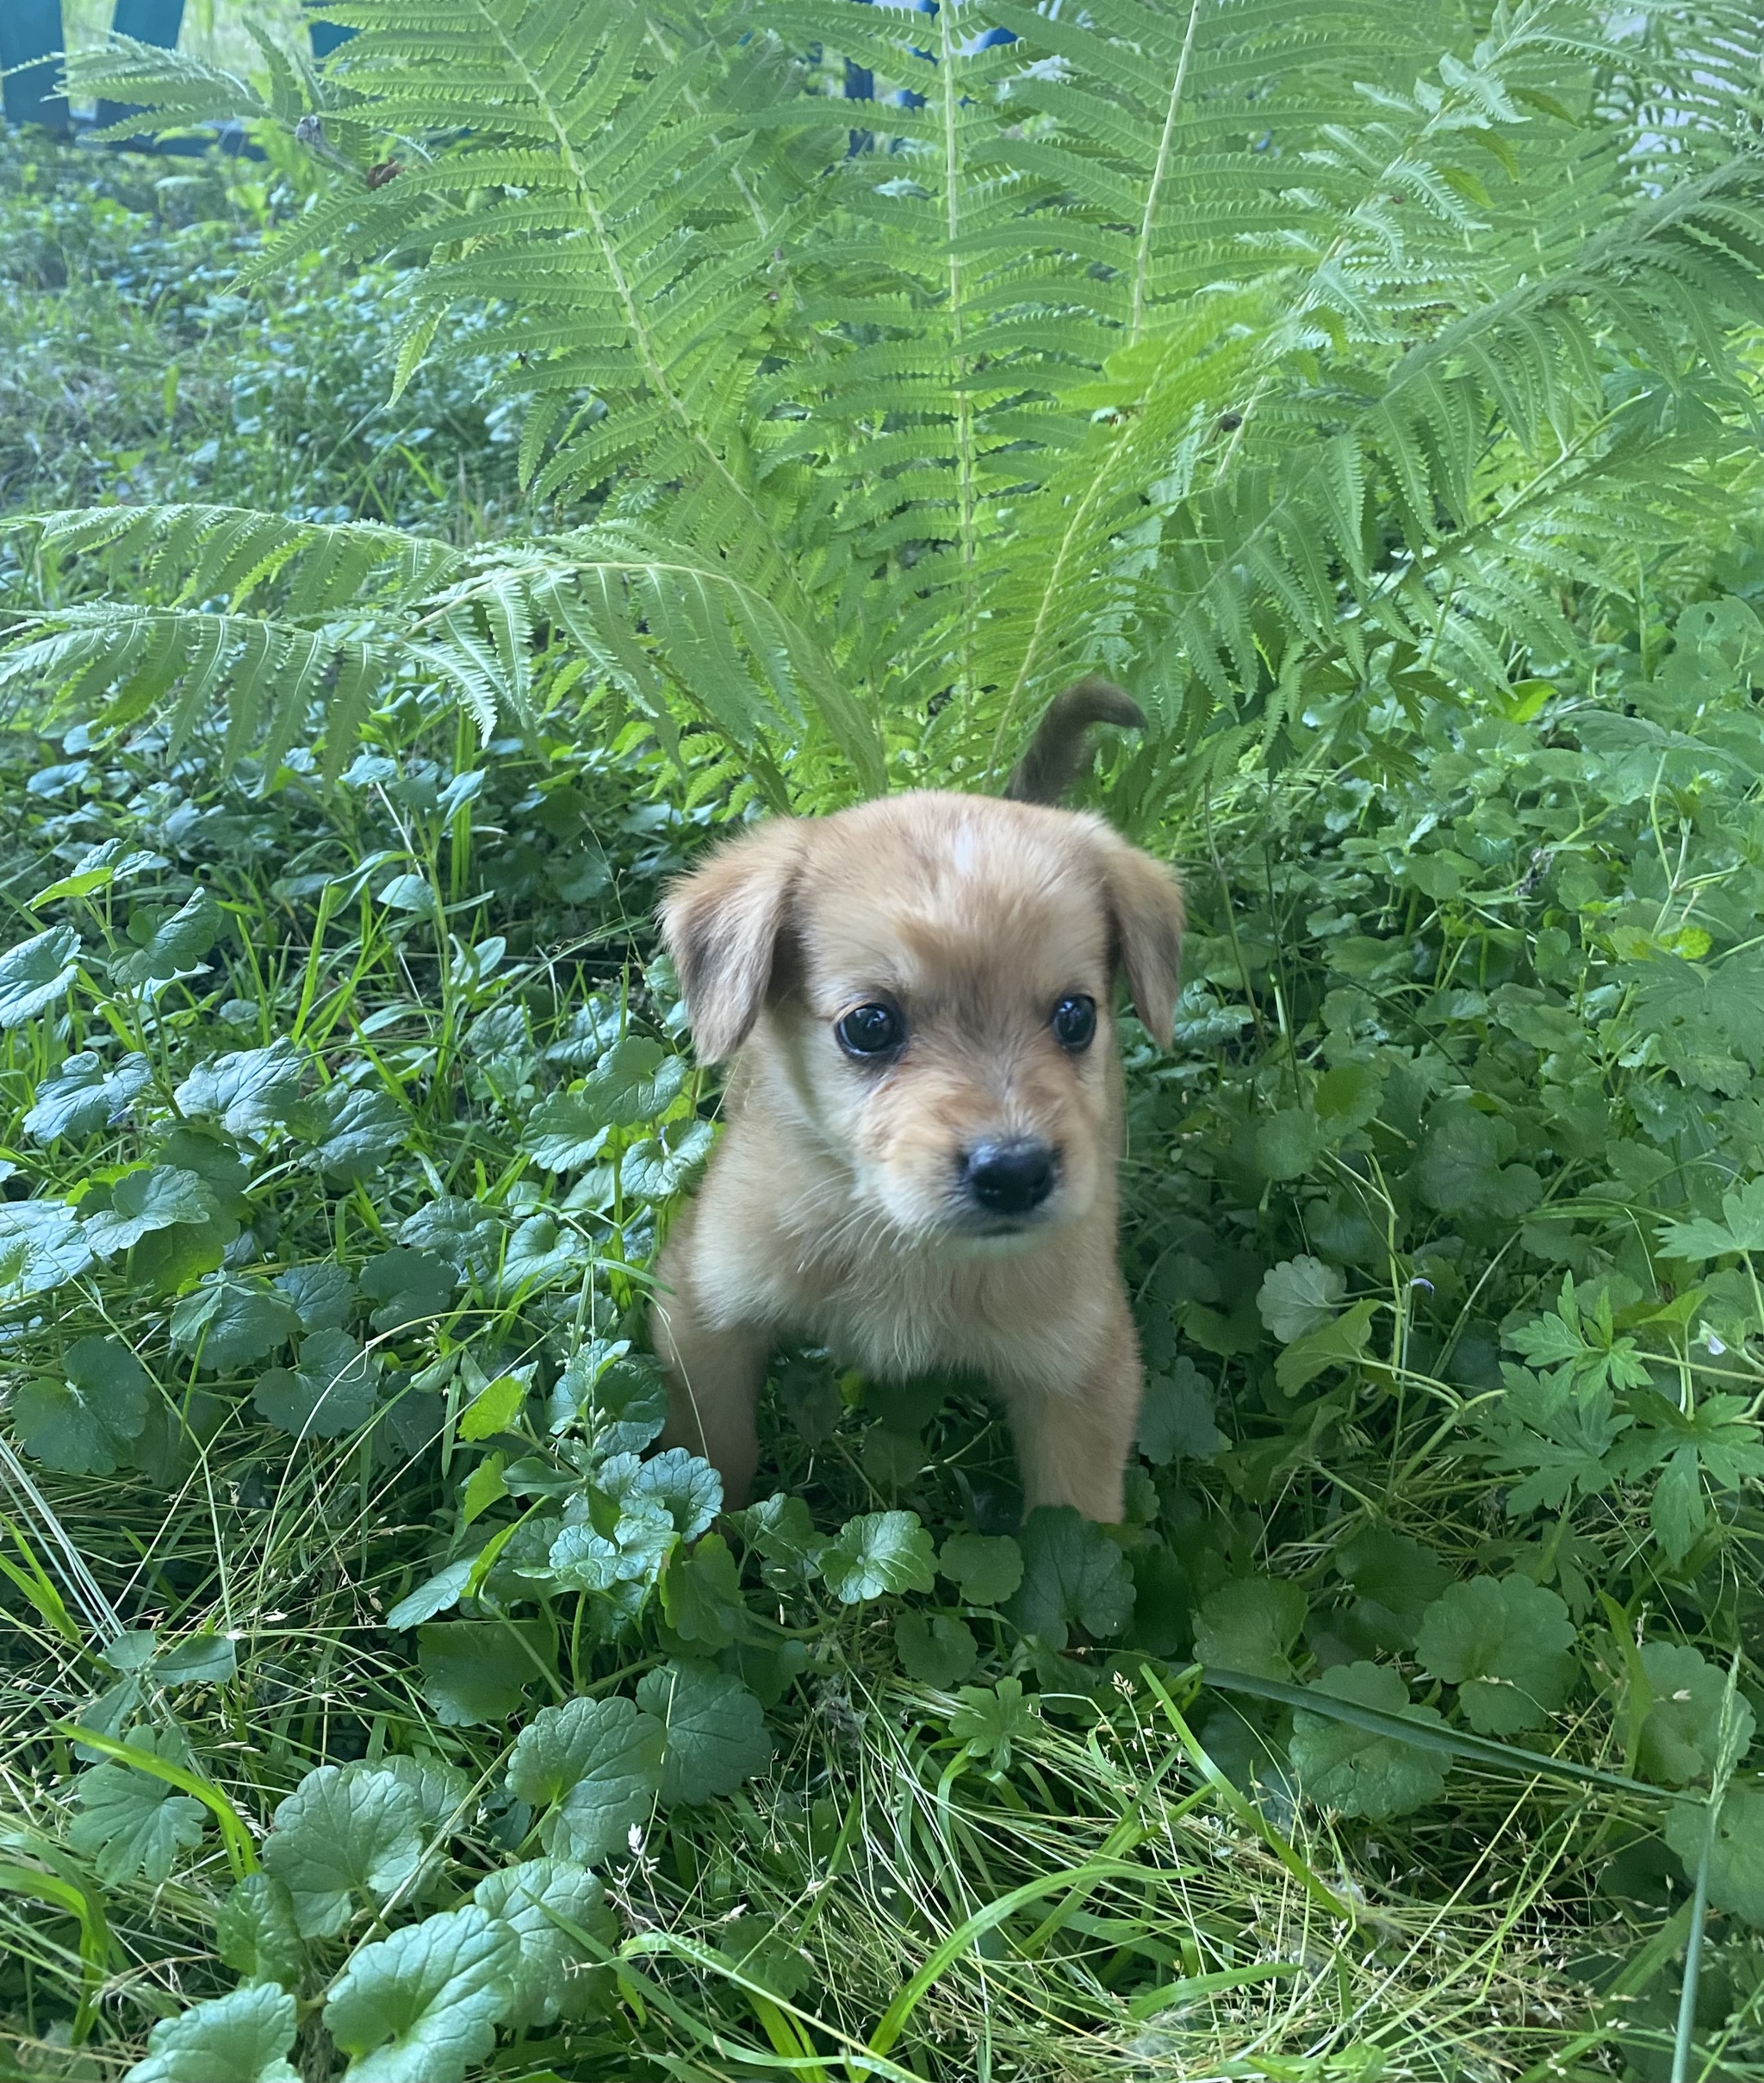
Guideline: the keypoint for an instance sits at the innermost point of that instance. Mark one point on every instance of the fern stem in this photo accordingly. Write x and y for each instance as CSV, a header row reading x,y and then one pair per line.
x,y
963,401
1142,257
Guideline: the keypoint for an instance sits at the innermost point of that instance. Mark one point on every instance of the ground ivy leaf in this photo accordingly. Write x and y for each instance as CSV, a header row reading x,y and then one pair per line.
x,y
1736,1857
1176,1419
1072,1572
1504,1643
340,1835
716,1730
935,1650
635,1081
661,1164
248,1091
150,1198
679,1483
592,1768
422,2005
1397,1579
1338,1343
440,1790
991,1718
355,1129
790,1549
988,1567
1298,1295
701,1596
536,1900
42,1246
131,1823
565,1132
1250,1624
1350,1770
618,1397
877,1552
319,1295
494,1409
84,1423
541,1251
1681,1732
241,2037
231,1322
329,1394
1459,1170
81,1097
36,973
464,1234
171,944
479,1670
412,1287
256,1935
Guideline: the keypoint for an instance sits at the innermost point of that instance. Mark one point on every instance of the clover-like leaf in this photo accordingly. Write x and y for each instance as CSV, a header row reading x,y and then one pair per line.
x,y
229,1322
1250,1624
42,1246
248,1091
543,1901
83,1423
1176,1419
150,1198
1300,1295
81,1097
935,1650
241,2037
716,1730
167,943
878,1552
1736,1853
340,1836
988,1567
1354,1770
422,2005
1504,1643
130,1822
591,1769
36,973
991,1718
1681,1732
330,1393
256,1935
1072,1573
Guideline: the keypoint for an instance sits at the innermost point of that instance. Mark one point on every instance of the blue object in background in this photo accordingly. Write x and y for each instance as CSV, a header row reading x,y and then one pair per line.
x,y
30,34
326,36
156,21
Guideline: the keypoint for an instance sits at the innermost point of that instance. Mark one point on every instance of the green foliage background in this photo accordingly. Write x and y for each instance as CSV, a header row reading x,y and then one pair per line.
x,y
1372,390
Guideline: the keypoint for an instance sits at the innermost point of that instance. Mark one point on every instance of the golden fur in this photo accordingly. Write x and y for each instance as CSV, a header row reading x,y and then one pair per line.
x,y
835,1212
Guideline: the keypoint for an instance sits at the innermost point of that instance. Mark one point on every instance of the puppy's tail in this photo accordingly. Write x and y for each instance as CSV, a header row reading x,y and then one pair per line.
x,y
1050,765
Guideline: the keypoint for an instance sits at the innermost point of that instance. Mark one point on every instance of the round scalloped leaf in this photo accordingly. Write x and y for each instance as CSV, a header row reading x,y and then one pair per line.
x,y
422,2005
716,1730
1354,1770
241,2037
592,1768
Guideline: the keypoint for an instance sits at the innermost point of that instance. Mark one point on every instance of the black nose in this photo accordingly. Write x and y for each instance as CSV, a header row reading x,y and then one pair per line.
x,y
1011,1178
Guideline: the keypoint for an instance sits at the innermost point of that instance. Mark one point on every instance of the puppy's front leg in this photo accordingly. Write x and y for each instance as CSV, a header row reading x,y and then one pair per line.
x,y
714,1377
1072,1445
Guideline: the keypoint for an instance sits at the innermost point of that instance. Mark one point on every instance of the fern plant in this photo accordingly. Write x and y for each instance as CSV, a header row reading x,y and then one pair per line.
x,y
1230,347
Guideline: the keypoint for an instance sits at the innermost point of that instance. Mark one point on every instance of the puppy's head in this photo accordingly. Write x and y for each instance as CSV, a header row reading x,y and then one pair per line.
x,y
931,978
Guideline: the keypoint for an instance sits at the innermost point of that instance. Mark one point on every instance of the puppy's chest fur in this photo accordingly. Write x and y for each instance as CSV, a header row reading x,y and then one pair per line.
x,y
779,1238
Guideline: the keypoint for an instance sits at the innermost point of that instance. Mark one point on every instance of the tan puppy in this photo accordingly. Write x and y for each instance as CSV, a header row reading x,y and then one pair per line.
x,y
925,1111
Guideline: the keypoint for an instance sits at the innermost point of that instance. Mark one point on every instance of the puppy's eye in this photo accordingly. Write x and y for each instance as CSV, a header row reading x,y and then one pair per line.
x,y
1075,1023
870,1031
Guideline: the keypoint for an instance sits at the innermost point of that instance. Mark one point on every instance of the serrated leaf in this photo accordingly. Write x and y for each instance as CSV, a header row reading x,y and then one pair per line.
x,y
1250,1624
129,1822
81,1097
780,1528
230,1321
701,1596
169,945
635,1081
341,1836
659,1166
256,1935
878,1552
1072,1573
988,1567
84,1423
480,1670
678,1482
150,1198
1556,1435
330,1392
715,1730
422,2005
1461,1172
241,2037
618,1397
1289,1143
42,1246
592,1770
541,1251
1504,1643
354,1130
463,1235
537,1900
934,1649
1299,1295
319,1295
1699,1238
1350,1770
36,973
992,1718
494,1409
1681,1729
1176,1419
565,1133
1397,1579
1737,1855
248,1091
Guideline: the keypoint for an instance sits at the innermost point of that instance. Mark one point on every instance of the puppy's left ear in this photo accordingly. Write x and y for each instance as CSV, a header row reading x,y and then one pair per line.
x,y
1145,908
722,924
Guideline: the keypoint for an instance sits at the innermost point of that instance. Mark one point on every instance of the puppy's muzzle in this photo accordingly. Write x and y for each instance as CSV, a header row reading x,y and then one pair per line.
x,y
1011,1178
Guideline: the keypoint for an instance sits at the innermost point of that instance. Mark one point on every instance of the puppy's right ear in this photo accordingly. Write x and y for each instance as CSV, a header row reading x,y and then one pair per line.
x,y
721,924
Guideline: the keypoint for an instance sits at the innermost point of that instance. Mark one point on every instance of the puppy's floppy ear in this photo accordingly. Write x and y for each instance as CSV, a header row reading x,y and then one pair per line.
x,y
1145,910
722,923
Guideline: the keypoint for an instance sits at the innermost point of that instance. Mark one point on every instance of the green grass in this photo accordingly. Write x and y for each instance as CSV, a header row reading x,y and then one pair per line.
x,y
1425,1066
